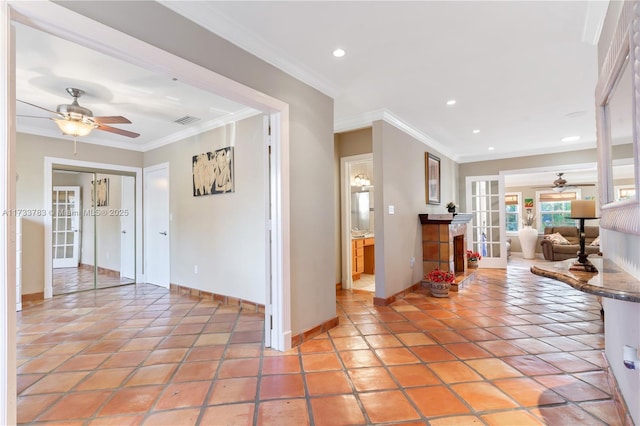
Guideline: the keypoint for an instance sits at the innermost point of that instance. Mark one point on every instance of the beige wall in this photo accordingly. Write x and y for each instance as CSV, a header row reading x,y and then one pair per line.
x,y
30,154
398,167
310,129
222,234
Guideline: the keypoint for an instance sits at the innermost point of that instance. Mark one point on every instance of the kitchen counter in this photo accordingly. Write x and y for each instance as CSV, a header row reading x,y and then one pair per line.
x,y
610,281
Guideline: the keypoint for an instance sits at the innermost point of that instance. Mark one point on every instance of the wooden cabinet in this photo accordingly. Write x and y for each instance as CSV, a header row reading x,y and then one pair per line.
x,y
357,258
362,257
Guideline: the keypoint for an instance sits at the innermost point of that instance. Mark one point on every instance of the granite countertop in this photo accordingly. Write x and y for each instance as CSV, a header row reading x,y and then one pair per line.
x,y
610,281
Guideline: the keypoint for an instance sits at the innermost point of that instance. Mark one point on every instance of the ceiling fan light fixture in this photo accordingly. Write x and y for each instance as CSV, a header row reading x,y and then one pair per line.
x,y
75,128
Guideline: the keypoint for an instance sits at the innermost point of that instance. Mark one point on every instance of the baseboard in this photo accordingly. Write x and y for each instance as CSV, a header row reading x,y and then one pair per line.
x,y
381,301
314,331
223,299
33,297
621,405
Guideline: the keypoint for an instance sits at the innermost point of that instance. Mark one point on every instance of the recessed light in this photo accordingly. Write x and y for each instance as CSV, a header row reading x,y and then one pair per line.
x,y
451,102
491,148
476,131
570,139
339,53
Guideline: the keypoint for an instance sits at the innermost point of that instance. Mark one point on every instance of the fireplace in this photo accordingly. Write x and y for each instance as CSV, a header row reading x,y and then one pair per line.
x,y
444,244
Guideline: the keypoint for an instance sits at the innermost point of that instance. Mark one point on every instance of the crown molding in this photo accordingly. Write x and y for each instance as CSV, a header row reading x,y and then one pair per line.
x,y
174,137
201,128
366,119
213,20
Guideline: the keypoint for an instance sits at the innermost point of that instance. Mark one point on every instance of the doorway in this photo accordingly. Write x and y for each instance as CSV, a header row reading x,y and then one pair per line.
x,y
358,223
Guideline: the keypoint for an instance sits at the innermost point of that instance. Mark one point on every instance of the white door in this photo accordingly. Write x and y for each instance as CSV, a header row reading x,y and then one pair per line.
x,y
128,229
486,233
64,226
156,214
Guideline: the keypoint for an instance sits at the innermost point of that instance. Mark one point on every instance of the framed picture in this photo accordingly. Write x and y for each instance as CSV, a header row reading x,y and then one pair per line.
x,y
100,198
528,203
213,172
432,178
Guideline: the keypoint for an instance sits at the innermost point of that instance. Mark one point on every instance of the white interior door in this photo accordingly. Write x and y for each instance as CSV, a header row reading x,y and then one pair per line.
x,y
486,233
156,214
127,229
65,217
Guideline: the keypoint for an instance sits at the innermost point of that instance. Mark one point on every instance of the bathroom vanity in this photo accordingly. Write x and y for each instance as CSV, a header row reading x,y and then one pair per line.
x,y
362,256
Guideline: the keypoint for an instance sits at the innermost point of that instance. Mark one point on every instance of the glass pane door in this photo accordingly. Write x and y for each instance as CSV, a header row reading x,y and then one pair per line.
x,y
64,221
485,198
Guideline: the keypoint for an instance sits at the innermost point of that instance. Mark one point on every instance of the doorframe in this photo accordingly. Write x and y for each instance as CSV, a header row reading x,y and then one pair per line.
x,y
67,24
52,162
345,201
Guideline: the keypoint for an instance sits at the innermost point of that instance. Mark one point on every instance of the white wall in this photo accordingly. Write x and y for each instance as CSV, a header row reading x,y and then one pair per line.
x,y
223,234
399,173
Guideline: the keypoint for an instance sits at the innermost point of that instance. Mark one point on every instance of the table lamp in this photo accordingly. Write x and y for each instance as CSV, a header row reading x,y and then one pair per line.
x,y
583,210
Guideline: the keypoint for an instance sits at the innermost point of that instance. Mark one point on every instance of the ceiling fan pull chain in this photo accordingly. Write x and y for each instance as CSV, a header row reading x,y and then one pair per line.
x,y
75,151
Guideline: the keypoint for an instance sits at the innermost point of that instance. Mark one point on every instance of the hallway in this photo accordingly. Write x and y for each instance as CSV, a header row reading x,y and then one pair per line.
x,y
509,348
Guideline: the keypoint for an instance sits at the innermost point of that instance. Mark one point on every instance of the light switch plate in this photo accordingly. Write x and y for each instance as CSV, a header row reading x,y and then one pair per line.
x,y
392,209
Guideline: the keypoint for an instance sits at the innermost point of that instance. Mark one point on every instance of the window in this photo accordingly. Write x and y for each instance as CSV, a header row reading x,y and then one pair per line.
x,y
512,205
555,208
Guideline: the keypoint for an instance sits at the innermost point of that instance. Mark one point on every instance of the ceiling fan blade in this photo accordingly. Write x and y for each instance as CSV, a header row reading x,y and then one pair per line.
x,y
43,108
112,119
117,131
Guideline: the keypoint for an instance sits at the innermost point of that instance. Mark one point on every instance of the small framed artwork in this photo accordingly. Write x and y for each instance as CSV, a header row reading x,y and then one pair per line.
x,y
528,203
432,178
213,172
100,195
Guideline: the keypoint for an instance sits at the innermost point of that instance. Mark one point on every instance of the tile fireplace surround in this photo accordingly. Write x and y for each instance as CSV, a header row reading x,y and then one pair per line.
x,y
444,243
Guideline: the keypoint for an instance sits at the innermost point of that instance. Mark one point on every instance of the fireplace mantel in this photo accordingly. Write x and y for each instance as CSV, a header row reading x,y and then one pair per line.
x,y
447,218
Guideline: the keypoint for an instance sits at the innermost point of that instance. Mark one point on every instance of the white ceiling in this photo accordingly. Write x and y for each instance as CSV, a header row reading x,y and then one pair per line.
x,y
47,65
522,72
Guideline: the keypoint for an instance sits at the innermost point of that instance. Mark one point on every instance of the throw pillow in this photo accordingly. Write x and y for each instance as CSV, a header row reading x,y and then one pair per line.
x,y
595,242
557,238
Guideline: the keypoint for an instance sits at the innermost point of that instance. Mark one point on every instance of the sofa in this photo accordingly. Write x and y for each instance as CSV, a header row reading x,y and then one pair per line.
x,y
554,248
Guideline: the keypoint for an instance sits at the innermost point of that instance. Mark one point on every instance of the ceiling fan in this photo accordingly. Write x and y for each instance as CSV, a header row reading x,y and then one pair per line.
x,y
560,184
75,120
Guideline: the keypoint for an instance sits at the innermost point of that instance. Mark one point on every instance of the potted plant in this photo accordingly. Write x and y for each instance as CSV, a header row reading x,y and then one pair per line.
x,y
440,282
472,259
451,207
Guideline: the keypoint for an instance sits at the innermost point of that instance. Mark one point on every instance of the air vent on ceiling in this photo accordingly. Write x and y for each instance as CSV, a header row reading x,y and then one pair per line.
x,y
187,119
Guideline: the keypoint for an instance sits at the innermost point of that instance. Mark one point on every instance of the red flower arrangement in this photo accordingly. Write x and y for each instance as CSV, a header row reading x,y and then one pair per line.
x,y
473,255
438,276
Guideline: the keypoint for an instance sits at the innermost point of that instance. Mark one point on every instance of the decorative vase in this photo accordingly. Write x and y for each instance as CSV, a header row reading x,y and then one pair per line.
x,y
528,238
451,209
440,288
472,264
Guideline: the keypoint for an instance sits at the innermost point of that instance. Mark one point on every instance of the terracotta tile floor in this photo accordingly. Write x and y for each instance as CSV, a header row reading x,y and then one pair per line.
x,y
509,349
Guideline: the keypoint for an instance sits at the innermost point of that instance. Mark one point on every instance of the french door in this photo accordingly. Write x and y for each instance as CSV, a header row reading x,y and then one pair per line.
x,y
65,217
486,235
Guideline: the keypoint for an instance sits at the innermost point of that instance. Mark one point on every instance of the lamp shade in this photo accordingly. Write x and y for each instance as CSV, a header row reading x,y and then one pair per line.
x,y
75,127
583,209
